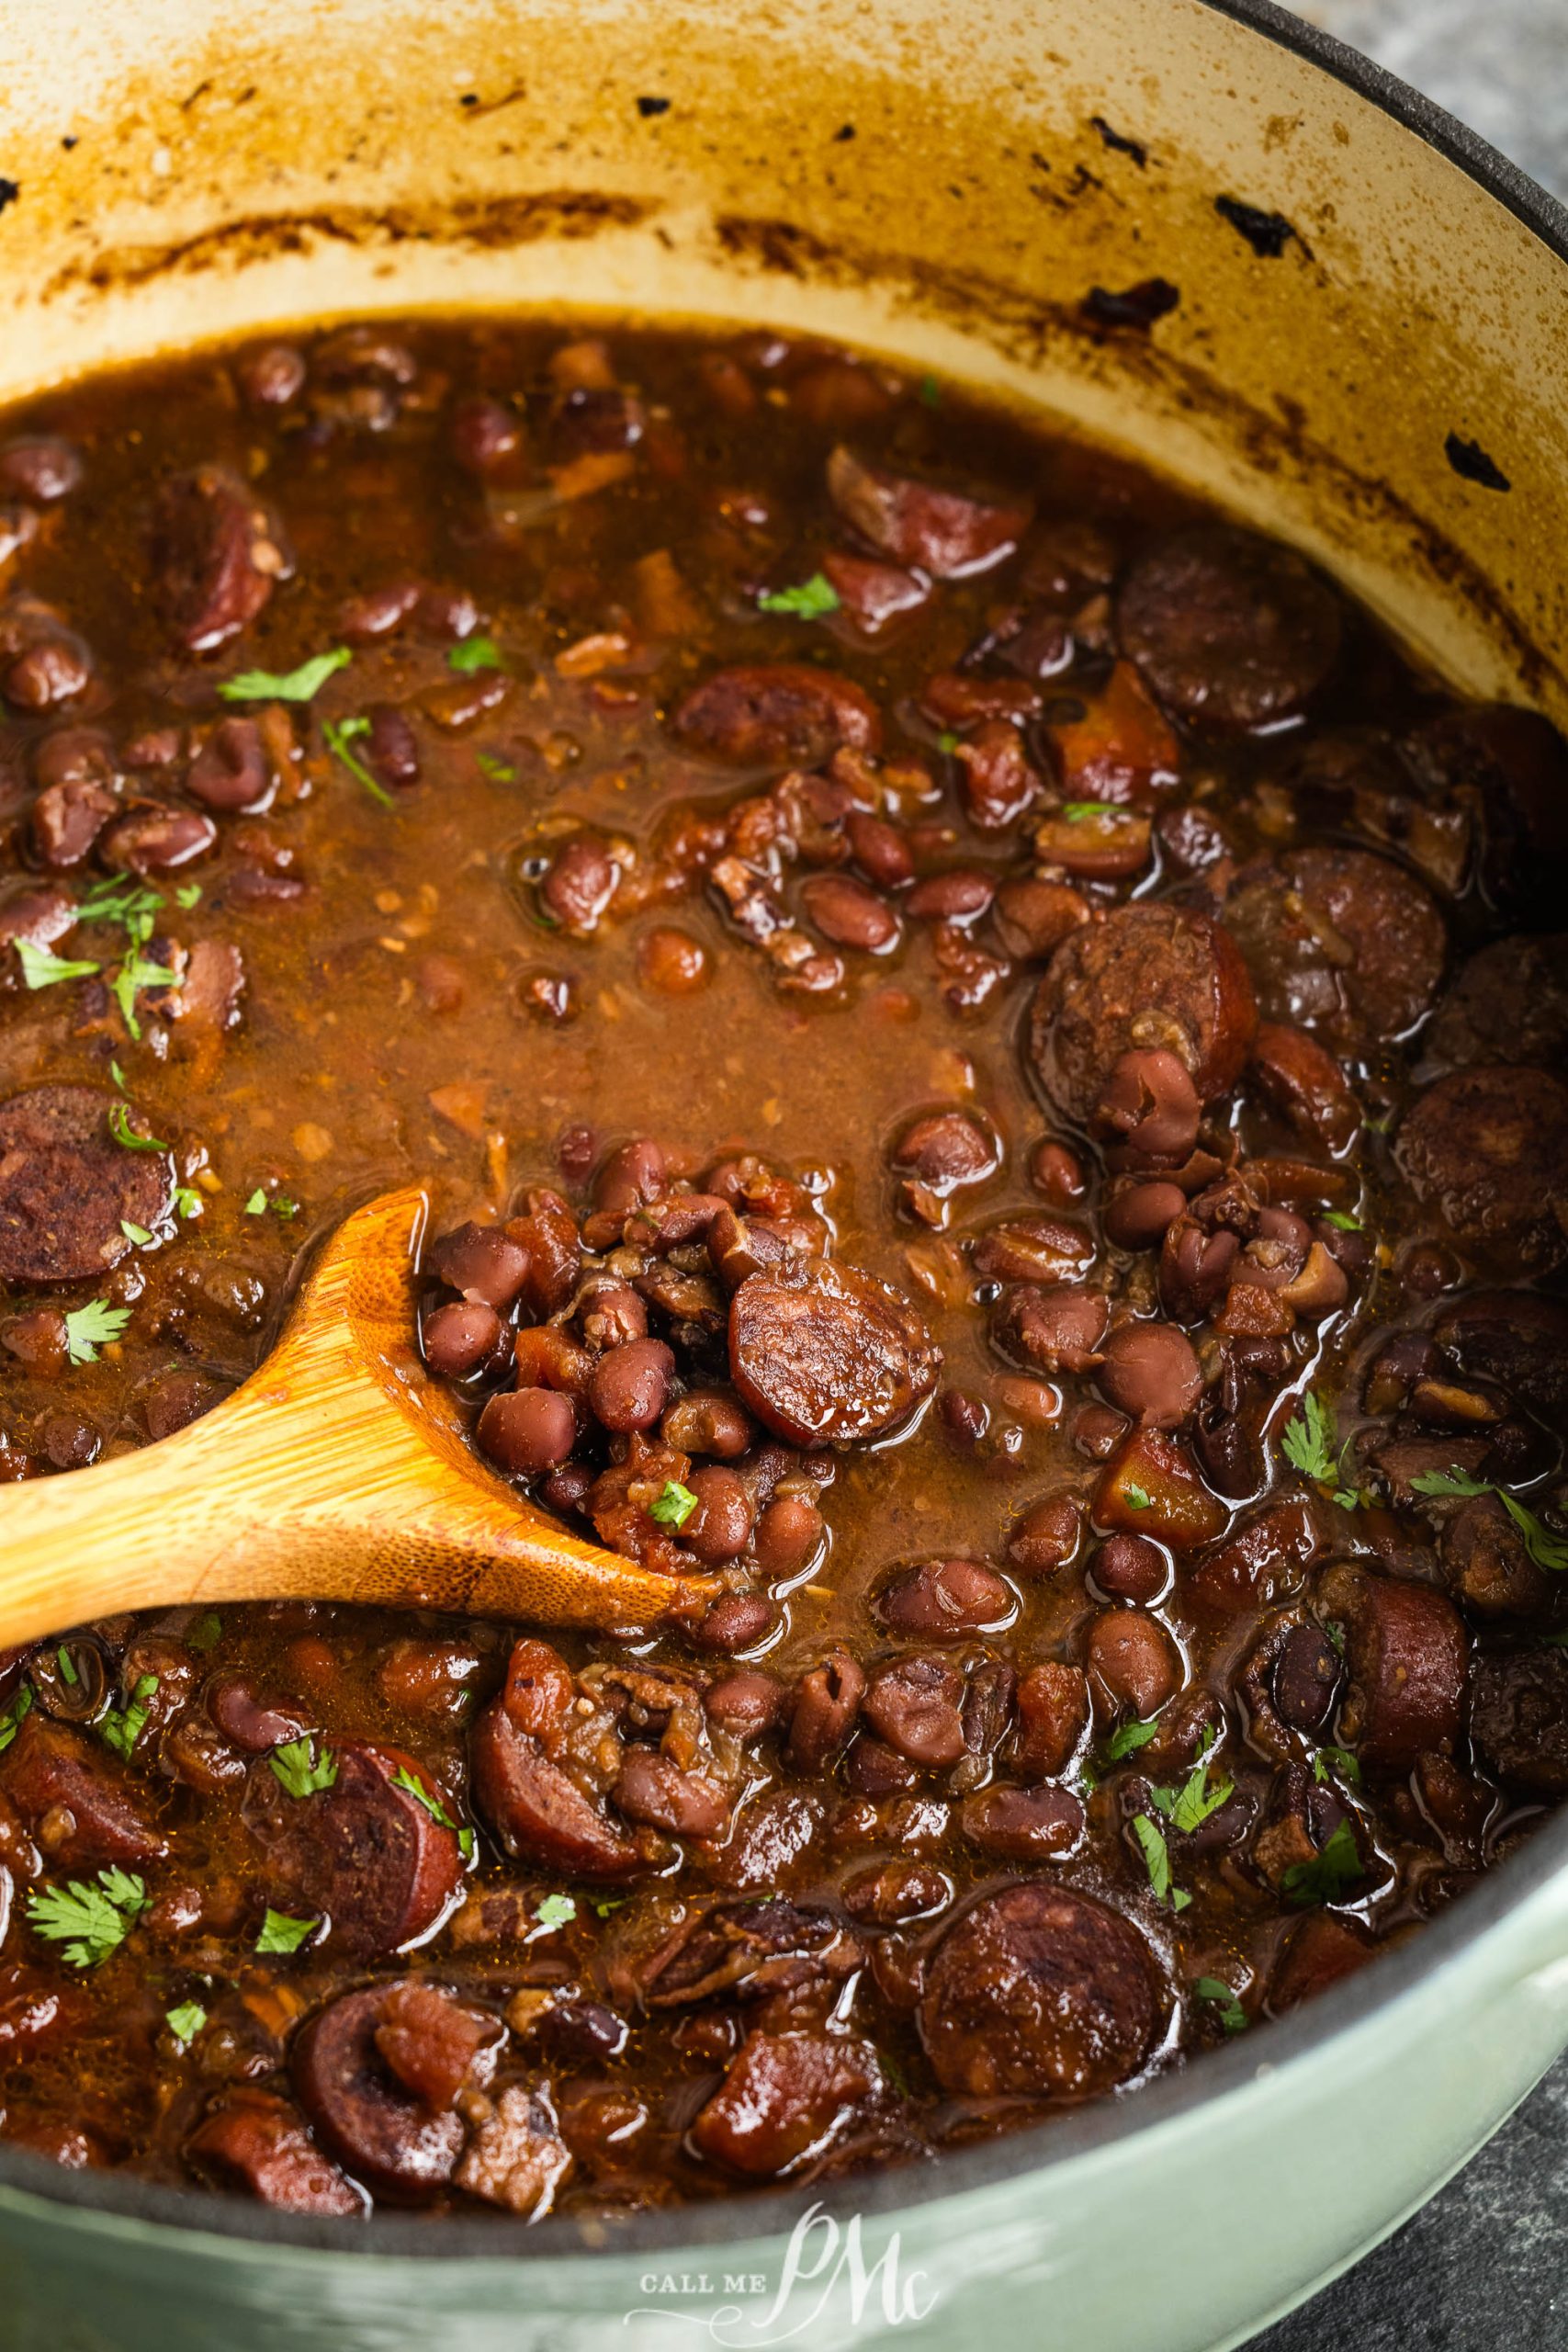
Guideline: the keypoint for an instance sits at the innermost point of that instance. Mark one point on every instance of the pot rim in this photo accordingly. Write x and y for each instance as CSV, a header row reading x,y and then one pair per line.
x,y
1221,2074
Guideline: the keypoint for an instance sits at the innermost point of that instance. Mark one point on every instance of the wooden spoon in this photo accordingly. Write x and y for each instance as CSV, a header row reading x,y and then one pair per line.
x,y
339,1471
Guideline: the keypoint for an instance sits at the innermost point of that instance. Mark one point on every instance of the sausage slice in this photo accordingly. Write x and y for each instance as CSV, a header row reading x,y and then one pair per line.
x,y
66,1186
1039,1993
75,1798
1518,1718
1488,1149
1340,938
823,1354
1408,1658
365,1851
1152,977
535,1807
399,2147
914,522
1229,629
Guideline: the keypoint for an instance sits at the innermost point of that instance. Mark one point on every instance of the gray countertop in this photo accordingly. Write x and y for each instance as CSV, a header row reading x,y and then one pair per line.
x,y
1484,2266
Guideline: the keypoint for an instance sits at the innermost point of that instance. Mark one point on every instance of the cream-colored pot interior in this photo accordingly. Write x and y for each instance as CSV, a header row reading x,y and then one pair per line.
x,y
943,179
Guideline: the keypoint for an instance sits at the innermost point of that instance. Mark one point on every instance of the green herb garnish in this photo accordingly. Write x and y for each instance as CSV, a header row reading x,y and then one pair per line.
x,y
207,1631
403,1779
1329,1875
41,969
1138,1498
1189,1807
302,1773
291,685
475,653
126,1135
809,602
280,1933
1336,1759
1308,1445
90,1327
1233,2017
123,1727
185,2022
947,741
188,895
555,1911
187,1200
498,770
91,1921
134,975
11,1720
1077,810
338,734
1346,1223
674,1504
136,1233
1546,1549
1130,1736
1157,1861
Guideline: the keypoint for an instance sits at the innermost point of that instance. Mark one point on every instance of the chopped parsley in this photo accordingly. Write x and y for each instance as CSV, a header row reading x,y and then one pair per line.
x,y
120,899
605,1904
118,1075
291,685
807,602
674,1504
256,1204
338,735
1157,1861
134,975
1190,1806
1233,2017
280,1933
475,653
187,1200
90,1327
1138,1498
947,741
188,895
126,1135
1077,810
12,1719
1131,1735
555,1911
465,1843
137,1233
931,391
1309,1447
68,1671
91,1921
1329,1875
403,1779
207,1631
41,969
185,2022
301,1772
1345,1223
1546,1548
123,1727
1336,1759
498,771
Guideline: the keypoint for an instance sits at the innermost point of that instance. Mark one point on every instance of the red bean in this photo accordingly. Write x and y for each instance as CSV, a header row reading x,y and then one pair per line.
x,y
529,1430
944,1599
672,961
1047,1537
1129,1567
629,1388
1150,1101
1151,1371
952,897
458,1335
720,1527
481,1261
879,849
1137,1216
1058,1174
1131,1663
788,1532
850,914
735,1622
708,1420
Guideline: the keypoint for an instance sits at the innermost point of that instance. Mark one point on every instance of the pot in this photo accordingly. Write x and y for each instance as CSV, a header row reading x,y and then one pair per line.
x,y
1363,356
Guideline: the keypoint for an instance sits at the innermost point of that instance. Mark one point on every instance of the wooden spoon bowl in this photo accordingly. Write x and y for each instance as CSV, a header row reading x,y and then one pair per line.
x,y
338,1471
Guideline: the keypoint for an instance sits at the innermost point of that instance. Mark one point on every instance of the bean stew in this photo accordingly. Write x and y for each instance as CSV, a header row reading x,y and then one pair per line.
x,y
988,1055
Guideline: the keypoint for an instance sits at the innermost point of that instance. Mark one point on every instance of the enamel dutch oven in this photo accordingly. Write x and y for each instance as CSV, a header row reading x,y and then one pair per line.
x,y
1365,356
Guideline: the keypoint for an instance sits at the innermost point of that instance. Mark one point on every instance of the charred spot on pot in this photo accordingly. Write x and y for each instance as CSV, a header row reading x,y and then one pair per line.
x,y
1469,460
1119,141
648,106
10,192
1267,233
1136,306
845,131
469,98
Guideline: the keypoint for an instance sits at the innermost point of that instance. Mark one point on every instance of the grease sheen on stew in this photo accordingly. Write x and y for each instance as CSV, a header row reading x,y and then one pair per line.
x,y
990,1059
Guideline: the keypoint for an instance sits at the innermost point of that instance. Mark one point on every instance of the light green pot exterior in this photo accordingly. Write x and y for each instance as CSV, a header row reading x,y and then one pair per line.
x,y
186,171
